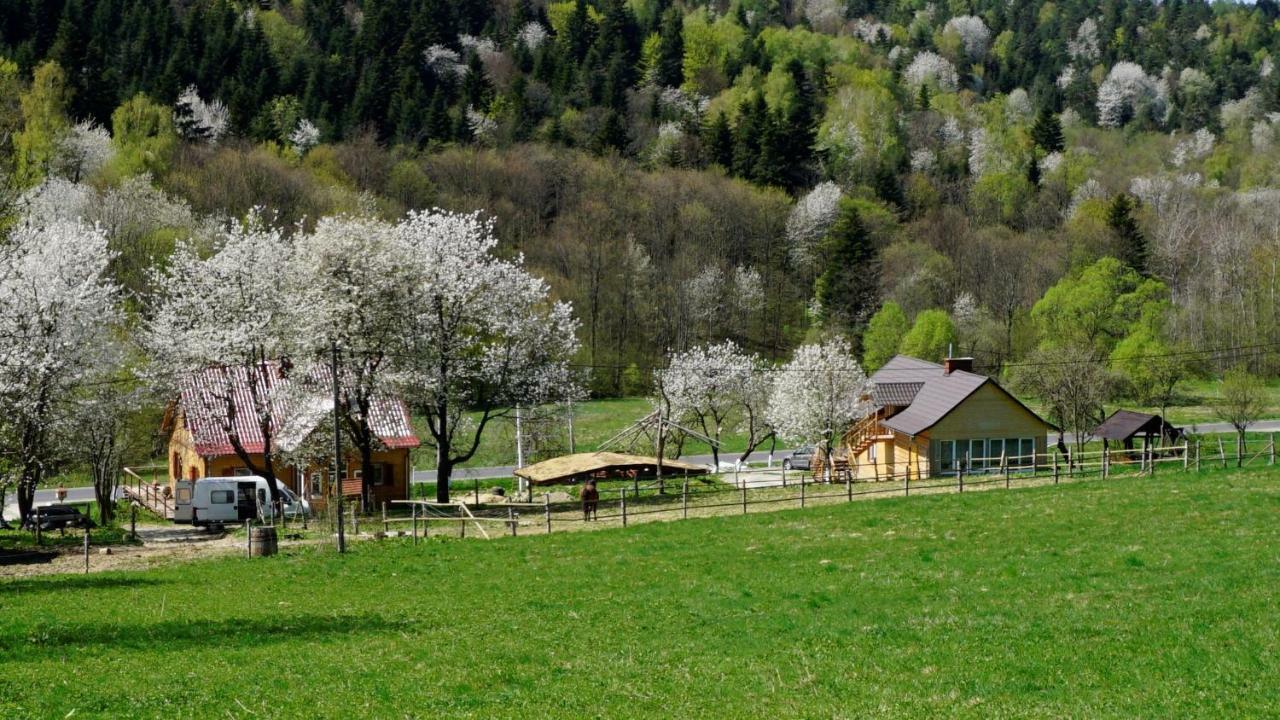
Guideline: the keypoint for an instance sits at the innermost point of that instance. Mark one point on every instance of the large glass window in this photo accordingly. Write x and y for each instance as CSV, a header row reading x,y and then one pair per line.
x,y
995,449
221,497
1029,453
977,454
947,456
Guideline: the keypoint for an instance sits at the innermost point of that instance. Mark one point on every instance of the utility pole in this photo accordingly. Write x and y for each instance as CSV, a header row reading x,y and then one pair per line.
x,y
337,449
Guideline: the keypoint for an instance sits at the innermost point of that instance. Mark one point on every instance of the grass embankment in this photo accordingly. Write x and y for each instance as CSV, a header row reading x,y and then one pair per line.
x,y
1134,597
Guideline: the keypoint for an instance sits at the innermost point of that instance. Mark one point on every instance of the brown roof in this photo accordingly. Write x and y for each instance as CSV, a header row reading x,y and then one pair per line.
x,y
899,394
294,412
938,394
1124,424
570,467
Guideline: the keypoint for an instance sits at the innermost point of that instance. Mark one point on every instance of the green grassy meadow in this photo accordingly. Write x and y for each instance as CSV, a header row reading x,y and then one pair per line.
x,y
1127,598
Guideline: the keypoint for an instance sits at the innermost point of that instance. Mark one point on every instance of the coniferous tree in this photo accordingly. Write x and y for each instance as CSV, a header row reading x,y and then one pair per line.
x,y
1133,249
719,142
848,290
1047,131
670,70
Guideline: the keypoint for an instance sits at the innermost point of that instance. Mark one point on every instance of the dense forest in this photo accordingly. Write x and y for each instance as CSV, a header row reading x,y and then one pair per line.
x,y
1095,183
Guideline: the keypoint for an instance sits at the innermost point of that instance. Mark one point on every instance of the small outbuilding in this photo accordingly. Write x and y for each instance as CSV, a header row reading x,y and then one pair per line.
x,y
573,469
1123,426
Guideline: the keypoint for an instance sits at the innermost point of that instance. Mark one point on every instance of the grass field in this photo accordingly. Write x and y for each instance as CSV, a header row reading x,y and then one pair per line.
x,y
1134,597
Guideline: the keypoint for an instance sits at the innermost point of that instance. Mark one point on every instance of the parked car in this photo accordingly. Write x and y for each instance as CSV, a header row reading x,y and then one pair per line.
x,y
800,459
59,517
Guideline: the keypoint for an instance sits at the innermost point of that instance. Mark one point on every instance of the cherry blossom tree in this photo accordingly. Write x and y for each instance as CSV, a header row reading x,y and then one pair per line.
x,y
928,67
973,33
819,394
710,384
228,317
809,222
486,336
354,290
60,313
83,150
1125,91
198,120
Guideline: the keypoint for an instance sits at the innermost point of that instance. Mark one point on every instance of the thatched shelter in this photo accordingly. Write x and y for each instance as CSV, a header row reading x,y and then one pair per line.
x,y
573,469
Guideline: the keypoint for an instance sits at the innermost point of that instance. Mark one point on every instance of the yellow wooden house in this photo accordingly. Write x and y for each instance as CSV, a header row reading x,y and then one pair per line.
x,y
933,419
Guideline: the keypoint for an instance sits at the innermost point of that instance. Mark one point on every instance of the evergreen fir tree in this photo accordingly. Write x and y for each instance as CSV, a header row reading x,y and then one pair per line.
x,y
719,142
1132,249
848,290
1047,131
670,70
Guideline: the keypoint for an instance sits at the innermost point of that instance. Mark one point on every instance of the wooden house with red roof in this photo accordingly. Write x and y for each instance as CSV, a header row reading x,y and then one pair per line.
x,y
218,403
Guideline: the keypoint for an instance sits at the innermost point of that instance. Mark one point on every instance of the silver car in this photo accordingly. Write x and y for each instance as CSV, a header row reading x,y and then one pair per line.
x,y
800,459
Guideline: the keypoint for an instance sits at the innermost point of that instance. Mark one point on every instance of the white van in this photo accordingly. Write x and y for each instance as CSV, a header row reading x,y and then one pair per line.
x,y
231,500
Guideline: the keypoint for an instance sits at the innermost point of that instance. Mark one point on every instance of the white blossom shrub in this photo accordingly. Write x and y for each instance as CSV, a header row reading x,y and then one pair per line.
x,y
1051,162
748,289
1203,32
666,145
482,126
930,67
682,104
1126,89
1266,67
56,200
1263,134
980,152
1088,190
1242,110
304,137
872,31
1066,77
824,15
1194,82
809,222
973,32
951,134
923,160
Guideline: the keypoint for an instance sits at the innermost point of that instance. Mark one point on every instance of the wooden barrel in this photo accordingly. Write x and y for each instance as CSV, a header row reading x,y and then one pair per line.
x,y
262,541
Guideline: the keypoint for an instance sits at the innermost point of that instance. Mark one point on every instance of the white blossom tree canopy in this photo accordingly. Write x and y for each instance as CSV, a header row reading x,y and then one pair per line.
x,y
196,119
1126,90
60,313
819,394
973,33
928,67
230,314
710,383
485,336
810,220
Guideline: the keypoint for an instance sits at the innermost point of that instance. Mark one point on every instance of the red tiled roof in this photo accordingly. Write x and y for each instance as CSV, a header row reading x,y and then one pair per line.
x,y
295,410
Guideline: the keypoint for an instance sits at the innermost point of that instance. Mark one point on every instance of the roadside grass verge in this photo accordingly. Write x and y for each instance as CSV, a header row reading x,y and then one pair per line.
x,y
1132,597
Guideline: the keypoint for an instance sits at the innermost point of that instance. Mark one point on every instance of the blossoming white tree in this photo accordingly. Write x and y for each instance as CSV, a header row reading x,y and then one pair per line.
x,y
226,317
60,310
1126,89
83,150
809,221
710,383
486,336
354,290
928,67
198,120
973,33
819,394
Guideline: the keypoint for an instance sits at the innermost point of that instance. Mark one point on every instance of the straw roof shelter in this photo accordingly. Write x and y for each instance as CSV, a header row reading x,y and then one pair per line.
x,y
571,469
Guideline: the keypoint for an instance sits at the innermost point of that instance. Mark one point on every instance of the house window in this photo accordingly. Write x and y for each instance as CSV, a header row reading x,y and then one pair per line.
x,y
381,475
977,454
221,497
316,478
995,449
947,456
1028,453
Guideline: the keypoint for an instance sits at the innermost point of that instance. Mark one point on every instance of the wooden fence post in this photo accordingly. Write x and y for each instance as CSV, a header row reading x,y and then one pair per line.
x,y
960,477
86,548
622,503
386,527
1222,453
906,488
546,508
133,521
1106,463
414,507
801,492
744,499
1197,456
511,520
684,496
1271,459
1151,461
248,540
1186,456
784,474
1004,462
475,490
355,521
1055,467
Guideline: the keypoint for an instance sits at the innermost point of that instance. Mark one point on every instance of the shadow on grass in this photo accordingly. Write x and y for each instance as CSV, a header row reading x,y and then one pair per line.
x,y
55,583
43,641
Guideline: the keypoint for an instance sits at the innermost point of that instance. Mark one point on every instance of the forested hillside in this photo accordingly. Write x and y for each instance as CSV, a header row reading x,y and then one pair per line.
x,y
1028,182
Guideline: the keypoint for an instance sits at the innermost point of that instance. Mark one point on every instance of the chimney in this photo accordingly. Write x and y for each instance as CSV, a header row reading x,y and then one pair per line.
x,y
952,364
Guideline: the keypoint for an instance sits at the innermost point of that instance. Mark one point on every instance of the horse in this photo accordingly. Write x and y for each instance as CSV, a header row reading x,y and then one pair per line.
x,y
590,499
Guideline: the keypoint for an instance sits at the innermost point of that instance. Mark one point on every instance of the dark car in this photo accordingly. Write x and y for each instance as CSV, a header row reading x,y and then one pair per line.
x,y
59,517
800,459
